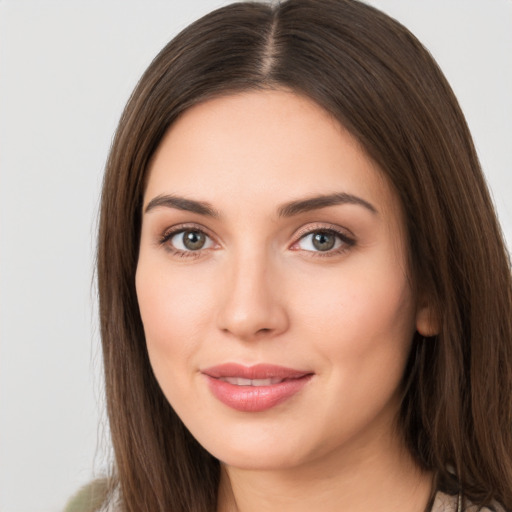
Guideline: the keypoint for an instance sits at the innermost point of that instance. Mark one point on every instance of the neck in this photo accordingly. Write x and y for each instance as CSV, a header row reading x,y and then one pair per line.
x,y
383,478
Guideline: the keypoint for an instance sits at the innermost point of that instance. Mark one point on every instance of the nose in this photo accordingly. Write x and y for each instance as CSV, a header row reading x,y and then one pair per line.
x,y
253,305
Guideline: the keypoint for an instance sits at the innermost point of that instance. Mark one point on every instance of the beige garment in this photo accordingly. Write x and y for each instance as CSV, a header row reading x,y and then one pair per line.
x,y
447,503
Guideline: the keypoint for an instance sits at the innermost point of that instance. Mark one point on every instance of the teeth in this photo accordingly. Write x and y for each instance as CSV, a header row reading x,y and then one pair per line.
x,y
262,382
243,382
239,381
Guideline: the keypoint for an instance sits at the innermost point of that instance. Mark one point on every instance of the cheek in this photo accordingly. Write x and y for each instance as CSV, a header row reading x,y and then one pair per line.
x,y
361,316
359,331
175,308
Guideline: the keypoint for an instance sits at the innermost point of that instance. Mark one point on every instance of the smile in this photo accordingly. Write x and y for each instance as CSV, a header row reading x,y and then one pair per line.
x,y
240,381
255,388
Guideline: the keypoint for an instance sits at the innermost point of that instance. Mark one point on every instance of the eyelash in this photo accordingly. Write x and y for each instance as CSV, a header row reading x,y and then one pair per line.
x,y
170,233
346,241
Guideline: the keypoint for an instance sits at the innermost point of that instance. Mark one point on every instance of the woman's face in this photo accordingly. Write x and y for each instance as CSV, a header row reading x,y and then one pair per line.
x,y
272,283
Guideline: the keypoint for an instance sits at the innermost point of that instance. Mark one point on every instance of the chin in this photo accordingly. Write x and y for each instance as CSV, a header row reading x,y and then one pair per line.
x,y
261,460
256,450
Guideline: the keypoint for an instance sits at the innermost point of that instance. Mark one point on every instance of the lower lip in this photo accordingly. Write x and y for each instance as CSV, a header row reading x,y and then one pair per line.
x,y
255,398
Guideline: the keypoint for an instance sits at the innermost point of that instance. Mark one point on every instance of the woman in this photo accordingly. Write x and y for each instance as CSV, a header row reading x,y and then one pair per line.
x,y
305,298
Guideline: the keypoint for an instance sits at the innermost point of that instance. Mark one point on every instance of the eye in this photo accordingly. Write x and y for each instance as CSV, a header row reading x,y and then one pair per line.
x,y
324,241
319,241
188,240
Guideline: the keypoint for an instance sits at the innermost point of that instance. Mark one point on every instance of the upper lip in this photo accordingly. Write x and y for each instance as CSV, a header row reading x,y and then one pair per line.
x,y
258,371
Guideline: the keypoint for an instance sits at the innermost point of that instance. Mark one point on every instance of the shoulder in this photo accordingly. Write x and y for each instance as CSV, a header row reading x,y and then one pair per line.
x,y
450,503
93,497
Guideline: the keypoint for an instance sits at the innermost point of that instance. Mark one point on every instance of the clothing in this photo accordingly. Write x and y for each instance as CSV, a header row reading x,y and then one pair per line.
x,y
92,498
446,503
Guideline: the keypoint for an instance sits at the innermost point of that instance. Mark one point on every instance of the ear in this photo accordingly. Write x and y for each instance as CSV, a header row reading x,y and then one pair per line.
x,y
428,322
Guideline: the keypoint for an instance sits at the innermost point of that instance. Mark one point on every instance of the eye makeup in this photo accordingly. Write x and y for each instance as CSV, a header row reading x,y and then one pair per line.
x,y
316,240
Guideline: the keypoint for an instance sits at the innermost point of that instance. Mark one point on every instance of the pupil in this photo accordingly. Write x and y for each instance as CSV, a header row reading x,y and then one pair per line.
x,y
193,240
323,241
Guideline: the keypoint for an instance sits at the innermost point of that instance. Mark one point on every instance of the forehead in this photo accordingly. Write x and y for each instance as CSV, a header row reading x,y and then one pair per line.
x,y
261,148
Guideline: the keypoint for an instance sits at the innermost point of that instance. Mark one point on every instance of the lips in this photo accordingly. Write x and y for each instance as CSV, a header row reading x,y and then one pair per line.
x,y
254,388
240,381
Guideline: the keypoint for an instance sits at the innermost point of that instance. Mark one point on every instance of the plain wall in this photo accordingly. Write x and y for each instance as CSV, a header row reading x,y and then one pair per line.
x,y
66,70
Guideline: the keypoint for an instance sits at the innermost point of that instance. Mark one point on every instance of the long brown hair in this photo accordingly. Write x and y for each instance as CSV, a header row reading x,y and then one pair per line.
x,y
372,74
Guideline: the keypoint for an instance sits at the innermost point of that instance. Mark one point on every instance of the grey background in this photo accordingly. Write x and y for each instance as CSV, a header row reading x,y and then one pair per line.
x,y
66,70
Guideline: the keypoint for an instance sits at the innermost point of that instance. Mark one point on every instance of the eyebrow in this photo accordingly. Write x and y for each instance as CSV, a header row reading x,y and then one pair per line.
x,y
287,210
323,201
181,203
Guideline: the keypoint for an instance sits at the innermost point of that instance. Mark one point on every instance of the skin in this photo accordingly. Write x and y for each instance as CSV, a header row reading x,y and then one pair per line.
x,y
259,291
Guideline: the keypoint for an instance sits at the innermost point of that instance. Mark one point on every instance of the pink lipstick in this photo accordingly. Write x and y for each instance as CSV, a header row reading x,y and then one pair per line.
x,y
254,388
